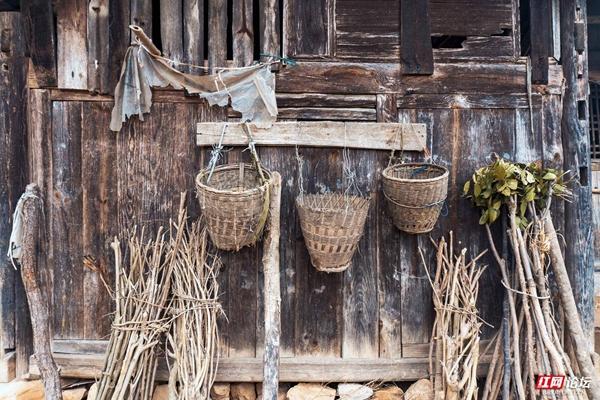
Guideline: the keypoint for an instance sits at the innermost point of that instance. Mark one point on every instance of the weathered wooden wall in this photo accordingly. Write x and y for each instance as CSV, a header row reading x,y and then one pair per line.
x,y
98,184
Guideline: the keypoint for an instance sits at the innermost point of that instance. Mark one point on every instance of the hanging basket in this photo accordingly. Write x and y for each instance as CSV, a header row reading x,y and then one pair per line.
x,y
235,204
332,225
415,194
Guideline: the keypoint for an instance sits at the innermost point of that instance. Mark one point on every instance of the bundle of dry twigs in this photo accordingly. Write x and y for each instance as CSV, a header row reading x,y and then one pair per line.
x,y
164,286
454,351
193,338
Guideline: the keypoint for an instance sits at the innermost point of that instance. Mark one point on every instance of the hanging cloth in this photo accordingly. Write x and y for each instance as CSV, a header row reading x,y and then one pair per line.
x,y
251,89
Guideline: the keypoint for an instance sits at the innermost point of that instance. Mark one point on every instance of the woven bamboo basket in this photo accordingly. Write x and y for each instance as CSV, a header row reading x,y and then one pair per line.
x,y
235,204
332,225
415,194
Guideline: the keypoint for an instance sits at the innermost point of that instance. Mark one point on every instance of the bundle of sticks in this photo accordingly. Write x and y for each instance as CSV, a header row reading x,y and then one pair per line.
x,y
536,345
454,351
165,287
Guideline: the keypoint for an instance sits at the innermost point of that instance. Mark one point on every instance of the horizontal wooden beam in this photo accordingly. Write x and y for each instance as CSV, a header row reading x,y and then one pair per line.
x,y
358,135
298,369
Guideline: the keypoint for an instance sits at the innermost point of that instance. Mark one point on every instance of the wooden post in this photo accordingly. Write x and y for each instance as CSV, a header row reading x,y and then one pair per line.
x,y
540,21
578,213
38,21
272,297
33,224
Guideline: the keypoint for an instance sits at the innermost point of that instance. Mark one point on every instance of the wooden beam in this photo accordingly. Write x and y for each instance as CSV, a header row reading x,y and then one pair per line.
x,y
272,295
269,27
171,29
193,34
416,53
98,44
243,33
296,369
358,135
540,20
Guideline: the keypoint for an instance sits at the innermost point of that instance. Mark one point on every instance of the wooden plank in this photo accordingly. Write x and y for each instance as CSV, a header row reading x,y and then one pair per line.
x,y
319,113
540,22
66,221
381,136
99,205
483,101
285,100
242,32
272,297
171,29
141,15
388,254
299,369
71,33
416,55
473,47
596,220
269,21
13,164
193,34
470,17
119,16
367,30
38,18
307,28
360,336
98,38
217,33
318,310
578,213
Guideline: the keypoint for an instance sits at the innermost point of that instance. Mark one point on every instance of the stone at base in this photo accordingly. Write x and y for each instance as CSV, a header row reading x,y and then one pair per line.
x,y
353,391
311,391
420,390
242,391
389,393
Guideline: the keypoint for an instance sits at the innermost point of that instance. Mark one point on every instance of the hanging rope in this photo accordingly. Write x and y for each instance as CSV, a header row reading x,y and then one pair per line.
x,y
216,153
348,172
300,162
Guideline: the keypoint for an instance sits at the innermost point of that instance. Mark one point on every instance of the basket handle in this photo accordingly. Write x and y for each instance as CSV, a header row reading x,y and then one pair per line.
x,y
253,153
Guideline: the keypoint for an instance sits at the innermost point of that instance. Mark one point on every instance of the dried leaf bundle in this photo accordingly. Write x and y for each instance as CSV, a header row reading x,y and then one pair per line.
x,y
192,341
454,351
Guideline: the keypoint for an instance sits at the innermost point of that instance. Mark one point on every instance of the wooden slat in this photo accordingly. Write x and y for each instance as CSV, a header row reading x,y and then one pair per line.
x,y
415,52
291,369
98,38
483,101
171,29
99,204
38,20
242,32
307,28
269,20
388,256
470,17
362,135
71,33
541,38
193,34
66,220
217,33
119,16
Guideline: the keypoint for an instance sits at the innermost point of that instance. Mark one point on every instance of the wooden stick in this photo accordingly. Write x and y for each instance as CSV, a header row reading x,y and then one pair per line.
x,y
580,342
272,298
38,307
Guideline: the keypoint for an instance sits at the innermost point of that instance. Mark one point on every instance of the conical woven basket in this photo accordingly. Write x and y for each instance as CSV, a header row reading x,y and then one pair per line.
x,y
235,204
332,225
415,194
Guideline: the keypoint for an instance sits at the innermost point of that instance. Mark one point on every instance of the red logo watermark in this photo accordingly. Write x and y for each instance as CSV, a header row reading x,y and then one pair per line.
x,y
560,382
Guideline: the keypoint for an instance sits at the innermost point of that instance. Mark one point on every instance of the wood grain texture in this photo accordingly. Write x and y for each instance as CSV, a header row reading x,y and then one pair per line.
x,y
71,33
98,42
66,220
13,174
307,28
39,29
242,32
193,33
217,33
318,134
171,29
540,24
141,15
300,369
269,21
119,15
416,54
470,17
99,212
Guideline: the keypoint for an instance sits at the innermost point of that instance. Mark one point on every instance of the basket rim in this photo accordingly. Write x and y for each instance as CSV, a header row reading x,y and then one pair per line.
x,y
387,170
365,202
204,171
